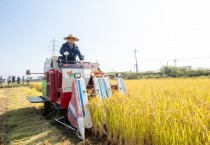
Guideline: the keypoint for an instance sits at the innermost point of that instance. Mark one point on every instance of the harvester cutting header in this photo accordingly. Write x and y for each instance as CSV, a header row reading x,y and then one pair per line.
x,y
69,84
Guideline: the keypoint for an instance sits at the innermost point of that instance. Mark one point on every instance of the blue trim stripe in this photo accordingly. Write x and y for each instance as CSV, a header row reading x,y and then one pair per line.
x,y
72,114
102,95
80,95
107,94
123,87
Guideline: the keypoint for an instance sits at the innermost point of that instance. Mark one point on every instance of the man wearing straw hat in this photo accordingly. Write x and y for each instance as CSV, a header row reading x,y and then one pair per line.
x,y
72,49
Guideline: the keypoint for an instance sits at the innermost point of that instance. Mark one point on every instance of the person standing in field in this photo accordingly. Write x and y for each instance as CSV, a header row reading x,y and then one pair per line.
x,y
23,79
72,49
9,80
13,79
1,81
18,80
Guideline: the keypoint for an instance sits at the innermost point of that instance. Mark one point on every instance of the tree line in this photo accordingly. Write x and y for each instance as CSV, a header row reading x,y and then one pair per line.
x,y
167,72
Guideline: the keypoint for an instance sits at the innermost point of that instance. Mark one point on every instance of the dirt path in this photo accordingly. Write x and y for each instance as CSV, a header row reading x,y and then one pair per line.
x,y
22,122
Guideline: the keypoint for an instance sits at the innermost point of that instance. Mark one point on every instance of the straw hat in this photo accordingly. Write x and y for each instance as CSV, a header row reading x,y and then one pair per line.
x,y
71,36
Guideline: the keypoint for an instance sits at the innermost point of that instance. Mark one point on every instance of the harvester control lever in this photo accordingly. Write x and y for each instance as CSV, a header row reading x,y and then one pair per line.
x,y
66,55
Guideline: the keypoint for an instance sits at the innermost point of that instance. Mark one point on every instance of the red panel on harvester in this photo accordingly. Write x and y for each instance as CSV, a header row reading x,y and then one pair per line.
x,y
52,86
65,98
56,82
58,77
53,83
59,80
48,87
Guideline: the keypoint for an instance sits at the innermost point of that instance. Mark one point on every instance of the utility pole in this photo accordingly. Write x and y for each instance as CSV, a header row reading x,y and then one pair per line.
x,y
135,51
53,45
175,61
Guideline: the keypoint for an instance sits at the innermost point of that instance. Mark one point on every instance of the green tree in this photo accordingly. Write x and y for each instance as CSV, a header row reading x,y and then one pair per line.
x,y
169,71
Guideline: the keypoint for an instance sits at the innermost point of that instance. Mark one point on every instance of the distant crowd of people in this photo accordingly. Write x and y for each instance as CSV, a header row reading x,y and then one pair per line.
x,y
14,80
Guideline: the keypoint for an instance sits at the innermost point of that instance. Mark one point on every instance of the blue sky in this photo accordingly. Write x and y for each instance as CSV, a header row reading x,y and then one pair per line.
x,y
109,31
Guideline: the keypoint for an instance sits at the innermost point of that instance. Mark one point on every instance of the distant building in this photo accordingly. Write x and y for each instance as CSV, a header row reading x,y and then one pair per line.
x,y
186,67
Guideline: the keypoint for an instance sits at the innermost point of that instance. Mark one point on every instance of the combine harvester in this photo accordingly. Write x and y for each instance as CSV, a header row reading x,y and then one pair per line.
x,y
66,86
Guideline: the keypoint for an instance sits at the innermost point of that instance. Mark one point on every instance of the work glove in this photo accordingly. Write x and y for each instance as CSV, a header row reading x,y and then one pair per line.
x,y
66,53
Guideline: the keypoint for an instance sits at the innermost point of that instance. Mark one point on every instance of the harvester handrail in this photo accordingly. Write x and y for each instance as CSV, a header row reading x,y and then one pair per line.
x,y
86,74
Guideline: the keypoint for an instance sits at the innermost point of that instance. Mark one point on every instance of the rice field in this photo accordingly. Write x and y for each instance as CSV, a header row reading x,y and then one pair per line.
x,y
163,111
37,86
155,111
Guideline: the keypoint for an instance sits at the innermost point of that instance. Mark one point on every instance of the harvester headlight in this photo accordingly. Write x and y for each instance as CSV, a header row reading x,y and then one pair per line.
x,y
118,74
77,75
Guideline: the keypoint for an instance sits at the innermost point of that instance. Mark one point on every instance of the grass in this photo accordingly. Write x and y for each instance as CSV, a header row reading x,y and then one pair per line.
x,y
21,122
24,122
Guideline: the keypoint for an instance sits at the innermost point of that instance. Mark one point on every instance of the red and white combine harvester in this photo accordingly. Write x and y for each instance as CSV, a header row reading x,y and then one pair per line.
x,y
66,86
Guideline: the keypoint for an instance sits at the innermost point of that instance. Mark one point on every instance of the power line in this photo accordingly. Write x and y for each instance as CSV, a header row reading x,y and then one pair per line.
x,y
194,58
158,61
173,60
177,46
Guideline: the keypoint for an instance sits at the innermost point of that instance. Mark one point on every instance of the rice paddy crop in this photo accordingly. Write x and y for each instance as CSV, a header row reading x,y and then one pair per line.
x,y
171,111
36,85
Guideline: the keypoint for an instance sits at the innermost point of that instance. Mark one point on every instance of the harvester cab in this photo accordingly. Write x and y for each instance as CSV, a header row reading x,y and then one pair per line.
x,y
68,87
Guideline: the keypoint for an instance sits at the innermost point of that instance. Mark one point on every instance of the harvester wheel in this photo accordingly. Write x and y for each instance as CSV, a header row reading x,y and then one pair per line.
x,y
47,108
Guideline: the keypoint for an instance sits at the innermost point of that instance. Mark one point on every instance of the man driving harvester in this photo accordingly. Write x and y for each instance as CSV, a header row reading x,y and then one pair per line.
x,y
70,50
